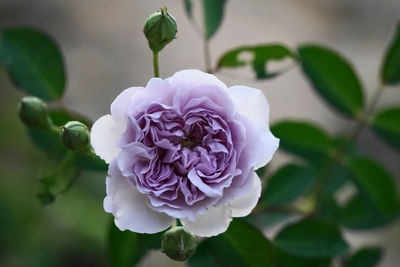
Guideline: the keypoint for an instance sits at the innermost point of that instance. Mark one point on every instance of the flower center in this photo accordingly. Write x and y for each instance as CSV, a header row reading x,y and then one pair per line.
x,y
189,142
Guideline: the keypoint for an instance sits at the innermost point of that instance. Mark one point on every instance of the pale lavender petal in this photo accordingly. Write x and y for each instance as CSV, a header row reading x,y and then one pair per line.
x,y
130,208
123,103
251,103
194,78
243,205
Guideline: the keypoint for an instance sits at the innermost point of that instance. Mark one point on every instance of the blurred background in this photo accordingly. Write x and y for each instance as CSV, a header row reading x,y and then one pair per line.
x,y
106,52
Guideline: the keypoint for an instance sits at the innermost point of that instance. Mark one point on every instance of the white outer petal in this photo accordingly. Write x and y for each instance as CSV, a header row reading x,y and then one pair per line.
x,y
242,206
104,137
268,145
130,207
251,103
214,222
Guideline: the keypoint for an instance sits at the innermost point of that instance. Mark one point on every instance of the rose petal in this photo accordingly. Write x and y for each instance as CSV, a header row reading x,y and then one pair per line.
x,y
104,137
261,144
242,206
123,103
215,221
268,145
251,103
130,208
191,78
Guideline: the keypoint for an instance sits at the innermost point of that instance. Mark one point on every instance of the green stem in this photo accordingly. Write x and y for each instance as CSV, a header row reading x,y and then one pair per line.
x,y
155,65
207,56
338,157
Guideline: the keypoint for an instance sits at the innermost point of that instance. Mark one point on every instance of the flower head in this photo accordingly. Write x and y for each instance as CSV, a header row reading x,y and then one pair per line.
x,y
185,147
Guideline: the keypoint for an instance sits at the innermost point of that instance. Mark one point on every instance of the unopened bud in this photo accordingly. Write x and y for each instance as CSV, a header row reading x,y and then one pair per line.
x,y
178,244
33,112
160,29
75,136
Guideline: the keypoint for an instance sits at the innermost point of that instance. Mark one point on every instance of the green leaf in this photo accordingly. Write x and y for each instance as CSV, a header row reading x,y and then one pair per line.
x,y
328,209
270,217
188,8
386,124
312,238
213,14
262,54
286,260
203,256
288,183
356,214
33,61
365,257
261,172
125,249
333,78
302,138
87,162
378,194
240,245
390,72
338,178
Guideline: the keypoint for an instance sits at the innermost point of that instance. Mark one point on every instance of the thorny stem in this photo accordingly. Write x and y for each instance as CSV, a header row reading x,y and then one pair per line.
x,y
340,153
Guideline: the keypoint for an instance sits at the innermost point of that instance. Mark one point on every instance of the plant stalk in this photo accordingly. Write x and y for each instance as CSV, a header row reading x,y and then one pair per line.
x,y
155,65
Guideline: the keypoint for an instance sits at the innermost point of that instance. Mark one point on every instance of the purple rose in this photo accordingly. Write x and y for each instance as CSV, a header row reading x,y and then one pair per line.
x,y
185,147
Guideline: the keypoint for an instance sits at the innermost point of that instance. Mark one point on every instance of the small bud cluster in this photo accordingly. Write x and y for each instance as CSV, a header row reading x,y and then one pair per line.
x,y
33,112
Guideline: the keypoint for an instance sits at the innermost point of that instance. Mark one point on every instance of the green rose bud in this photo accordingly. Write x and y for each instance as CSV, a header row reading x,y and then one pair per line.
x,y
178,244
75,136
33,112
160,29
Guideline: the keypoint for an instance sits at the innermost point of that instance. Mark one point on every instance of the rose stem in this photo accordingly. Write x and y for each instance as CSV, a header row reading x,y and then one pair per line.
x,y
155,64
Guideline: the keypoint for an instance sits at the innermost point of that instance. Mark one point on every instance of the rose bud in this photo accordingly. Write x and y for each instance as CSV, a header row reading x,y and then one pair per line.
x,y
160,29
75,136
178,244
33,112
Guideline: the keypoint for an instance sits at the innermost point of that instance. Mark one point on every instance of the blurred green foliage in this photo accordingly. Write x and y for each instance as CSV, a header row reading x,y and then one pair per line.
x,y
72,231
75,231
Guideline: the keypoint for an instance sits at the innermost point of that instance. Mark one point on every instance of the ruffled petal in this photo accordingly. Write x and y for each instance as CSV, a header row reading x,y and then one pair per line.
x,y
130,208
242,206
251,103
104,137
123,103
215,221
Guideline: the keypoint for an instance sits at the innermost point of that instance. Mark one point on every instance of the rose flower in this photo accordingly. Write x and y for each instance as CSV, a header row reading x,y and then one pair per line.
x,y
185,148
